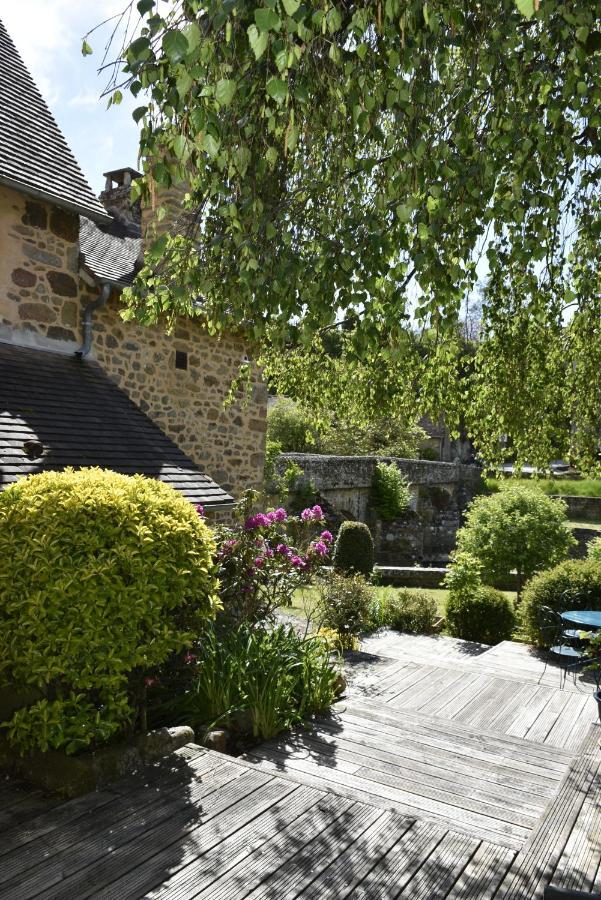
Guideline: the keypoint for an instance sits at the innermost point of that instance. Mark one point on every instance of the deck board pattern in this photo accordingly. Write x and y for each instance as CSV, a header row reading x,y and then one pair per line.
x,y
435,778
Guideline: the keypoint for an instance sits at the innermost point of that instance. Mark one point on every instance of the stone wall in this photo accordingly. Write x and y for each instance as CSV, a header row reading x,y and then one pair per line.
x,y
426,533
42,297
582,509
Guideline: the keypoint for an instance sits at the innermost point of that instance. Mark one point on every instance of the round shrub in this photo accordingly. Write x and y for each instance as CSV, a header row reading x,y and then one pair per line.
x,y
409,610
484,615
390,492
575,584
519,528
345,604
593,549
354,549
290,426
103,577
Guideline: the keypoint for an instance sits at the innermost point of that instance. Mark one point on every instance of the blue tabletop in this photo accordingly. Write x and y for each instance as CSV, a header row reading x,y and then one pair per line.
x,y
590,617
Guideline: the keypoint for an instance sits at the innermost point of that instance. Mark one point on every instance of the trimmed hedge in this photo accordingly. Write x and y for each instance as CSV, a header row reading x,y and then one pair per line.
x,y
484,615
408,610
354,549
575,584
103,577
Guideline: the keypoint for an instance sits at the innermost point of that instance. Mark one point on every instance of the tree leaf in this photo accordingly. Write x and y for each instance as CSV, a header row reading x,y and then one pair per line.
x,y
224,91
277,89
139,113
144,6
291,6
526,7
175,45
257,40
86,50
267,20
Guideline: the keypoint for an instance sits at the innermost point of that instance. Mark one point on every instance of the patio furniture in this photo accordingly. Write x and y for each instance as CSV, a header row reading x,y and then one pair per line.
x,y
562,640
588,618
555,893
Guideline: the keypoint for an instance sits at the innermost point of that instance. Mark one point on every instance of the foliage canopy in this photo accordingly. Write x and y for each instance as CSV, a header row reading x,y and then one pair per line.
x,y
350,162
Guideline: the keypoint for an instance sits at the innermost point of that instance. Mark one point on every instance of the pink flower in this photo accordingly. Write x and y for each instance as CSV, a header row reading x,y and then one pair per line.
x,y
317,512
280,515
269,553
283,549
190,658
307,515
320,548
326,536
260,520
199,509
297,562
259,562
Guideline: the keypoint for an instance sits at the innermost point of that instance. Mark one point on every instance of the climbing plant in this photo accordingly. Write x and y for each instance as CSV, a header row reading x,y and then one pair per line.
x,y
348,164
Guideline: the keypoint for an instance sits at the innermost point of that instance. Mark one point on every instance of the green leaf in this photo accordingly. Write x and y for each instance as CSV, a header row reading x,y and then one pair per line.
x,y
267,20
403,212
270,231
139,49
224,91
117,97
291,6
144,6
193,35
211,145
183,83
175,45
86,50
526,7
257,40
277,89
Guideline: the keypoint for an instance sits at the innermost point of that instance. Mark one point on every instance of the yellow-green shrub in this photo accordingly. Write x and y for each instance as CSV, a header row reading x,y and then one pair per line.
x,y
102,577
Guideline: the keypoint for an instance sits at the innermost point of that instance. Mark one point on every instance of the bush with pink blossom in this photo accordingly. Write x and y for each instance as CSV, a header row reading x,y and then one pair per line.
x,y
265,558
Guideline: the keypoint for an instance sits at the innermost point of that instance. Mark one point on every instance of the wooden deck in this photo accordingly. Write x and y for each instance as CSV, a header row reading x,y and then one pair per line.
x,y
397,794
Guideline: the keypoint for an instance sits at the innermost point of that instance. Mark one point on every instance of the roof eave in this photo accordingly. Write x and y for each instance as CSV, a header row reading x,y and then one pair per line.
x,y
39,194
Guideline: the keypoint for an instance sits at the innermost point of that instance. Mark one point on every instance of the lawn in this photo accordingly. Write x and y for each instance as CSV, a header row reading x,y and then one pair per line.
x,y
581,487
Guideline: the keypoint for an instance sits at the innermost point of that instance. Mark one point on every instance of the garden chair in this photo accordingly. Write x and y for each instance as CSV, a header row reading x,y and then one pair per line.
x,y
562,641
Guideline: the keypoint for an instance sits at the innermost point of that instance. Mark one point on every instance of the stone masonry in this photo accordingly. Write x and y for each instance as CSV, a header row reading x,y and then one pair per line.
x,y
42,297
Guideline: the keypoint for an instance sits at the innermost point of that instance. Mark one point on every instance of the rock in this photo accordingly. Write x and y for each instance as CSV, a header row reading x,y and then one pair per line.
x,y
163,741
23,277
340,685
217,740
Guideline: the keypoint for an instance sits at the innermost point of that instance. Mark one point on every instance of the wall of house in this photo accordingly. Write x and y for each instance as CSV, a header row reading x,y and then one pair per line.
x,y
42,298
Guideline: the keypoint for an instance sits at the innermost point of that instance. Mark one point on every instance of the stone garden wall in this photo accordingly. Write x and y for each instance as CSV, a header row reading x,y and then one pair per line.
x,y
42,297
426,534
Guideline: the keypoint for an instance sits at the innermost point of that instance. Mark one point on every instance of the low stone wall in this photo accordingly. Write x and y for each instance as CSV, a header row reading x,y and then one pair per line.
x,y
582,509
426,533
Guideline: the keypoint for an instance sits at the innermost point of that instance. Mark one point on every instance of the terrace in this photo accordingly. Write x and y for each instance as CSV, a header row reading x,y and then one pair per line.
x,y
450,770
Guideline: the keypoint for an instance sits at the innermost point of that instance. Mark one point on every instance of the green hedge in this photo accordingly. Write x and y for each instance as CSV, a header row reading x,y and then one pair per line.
x,y
575,584
354,549
484,615
103,577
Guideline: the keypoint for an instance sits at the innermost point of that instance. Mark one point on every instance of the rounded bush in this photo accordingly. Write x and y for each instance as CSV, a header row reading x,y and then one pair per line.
x,y
575,584
103,577
409,610
354,549
484,615
290,426
345,604
593,549
390,492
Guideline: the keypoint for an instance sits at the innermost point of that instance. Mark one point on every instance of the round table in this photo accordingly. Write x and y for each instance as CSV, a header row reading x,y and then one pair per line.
x,y
590,618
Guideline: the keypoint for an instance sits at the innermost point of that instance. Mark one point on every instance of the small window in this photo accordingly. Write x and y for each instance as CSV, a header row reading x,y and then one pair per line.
x,y
181,359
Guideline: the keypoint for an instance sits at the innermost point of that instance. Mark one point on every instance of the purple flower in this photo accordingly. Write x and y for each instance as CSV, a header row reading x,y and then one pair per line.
x,y
269,553
307,515
283,549
280,515
260,520
326,536
259,562
298,562
199,509
317,512
320,548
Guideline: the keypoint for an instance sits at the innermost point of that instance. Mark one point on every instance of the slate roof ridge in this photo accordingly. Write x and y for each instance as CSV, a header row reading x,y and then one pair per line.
x,y
35,157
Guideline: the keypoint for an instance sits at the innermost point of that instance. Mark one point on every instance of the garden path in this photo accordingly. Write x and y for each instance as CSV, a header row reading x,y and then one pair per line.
x,y
405,790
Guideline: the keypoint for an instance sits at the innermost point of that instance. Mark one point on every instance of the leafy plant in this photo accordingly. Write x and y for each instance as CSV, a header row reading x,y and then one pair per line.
x,y
291,427
464,575
593,550
390,494
255,679
407,610
484,615
265,558
103,578
517,529
354,549
345,605
575,584
282,484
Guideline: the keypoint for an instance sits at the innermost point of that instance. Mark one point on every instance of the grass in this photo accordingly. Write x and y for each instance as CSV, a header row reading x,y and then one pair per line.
x,y
583,487
305,599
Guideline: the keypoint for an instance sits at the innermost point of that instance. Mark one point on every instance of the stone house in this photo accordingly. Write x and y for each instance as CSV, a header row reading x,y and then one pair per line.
x,y
78,385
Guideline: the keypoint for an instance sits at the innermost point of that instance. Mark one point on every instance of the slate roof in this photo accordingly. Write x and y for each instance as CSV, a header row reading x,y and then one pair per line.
x,y
34,156
110,252
82,419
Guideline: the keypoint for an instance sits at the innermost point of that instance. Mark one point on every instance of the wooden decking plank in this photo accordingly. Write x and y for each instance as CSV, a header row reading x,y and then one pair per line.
x,y
558,705
343,876
581,857
439,682
330,816
119,815
400,864
384,795
508,713
467,779
570,730
404,687
79,862
442,868
485,871
307,865
530,713
445,704
478,713
210,849
534,865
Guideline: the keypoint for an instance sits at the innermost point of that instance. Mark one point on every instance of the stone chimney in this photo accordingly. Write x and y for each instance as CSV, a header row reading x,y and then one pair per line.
x,y
116,196
175,219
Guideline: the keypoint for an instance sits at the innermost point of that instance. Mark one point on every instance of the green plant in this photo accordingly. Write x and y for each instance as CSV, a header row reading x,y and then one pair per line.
x,y
255,679
484,615
384,436
407,610
464,575
103,578
354,549
518,528
280,483
567,487
345,604
390,493
290,426
593,549
575,584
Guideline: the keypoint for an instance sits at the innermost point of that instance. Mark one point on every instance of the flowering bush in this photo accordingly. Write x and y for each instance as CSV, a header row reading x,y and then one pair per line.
x,y
267,557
